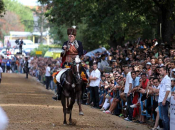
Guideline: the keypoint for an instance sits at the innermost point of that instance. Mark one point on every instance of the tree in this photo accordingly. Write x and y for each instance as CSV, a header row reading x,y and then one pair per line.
x,y
25,14
41,22
113,22
10,22
2,8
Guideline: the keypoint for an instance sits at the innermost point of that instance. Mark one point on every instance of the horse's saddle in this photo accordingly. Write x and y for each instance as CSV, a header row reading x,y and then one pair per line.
x,y
59,75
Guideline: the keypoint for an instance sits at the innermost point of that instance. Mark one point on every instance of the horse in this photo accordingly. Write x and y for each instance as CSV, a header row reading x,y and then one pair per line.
x,y
71,88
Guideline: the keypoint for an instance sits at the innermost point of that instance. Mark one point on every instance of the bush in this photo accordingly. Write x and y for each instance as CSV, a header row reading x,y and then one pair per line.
x,y
41,47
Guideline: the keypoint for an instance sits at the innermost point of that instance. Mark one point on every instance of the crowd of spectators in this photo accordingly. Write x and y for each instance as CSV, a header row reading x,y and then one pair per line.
x,y
135,81
13,65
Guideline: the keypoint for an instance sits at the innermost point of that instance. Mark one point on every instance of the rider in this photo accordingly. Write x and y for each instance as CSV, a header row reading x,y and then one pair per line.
x,y
71,48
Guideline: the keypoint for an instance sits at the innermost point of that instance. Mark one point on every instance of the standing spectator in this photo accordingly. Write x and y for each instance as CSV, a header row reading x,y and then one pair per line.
x,y
13,65
20,46
1,71
21,64
127,91
94,84
17,66
48,76
8,65
0,59
103,63
8,45
26,67
3,64
135,85
164,96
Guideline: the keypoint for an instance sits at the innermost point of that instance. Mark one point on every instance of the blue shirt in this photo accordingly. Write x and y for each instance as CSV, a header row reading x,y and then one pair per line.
x,y
8,62
173,89
135,82
3,60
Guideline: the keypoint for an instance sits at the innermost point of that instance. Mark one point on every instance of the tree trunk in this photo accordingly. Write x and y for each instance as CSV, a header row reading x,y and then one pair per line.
x,y
167,25
114,42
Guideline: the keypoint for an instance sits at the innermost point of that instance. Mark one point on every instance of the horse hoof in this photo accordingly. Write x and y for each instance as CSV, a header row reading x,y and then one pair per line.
x,y
70,123
65,123
81,113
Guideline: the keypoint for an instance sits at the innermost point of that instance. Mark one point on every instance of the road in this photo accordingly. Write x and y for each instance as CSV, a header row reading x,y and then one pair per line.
x,y
29,106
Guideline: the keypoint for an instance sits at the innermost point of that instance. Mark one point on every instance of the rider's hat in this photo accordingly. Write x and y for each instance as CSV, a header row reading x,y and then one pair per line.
x,y
71,31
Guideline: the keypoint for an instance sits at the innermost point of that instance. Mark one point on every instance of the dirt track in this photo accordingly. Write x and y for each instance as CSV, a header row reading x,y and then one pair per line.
x,y
29,107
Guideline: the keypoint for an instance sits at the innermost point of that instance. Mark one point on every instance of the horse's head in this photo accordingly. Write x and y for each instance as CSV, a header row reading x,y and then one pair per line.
x,y
76,70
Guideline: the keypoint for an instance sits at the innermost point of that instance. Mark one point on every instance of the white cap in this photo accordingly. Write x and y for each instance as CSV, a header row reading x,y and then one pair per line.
x,y
148,63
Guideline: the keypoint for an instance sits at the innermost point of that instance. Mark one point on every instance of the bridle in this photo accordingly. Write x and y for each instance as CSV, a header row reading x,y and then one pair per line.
x,y
76,74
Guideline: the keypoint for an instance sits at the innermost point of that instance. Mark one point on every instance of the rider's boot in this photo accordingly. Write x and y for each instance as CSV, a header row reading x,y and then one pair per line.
x,y
58,96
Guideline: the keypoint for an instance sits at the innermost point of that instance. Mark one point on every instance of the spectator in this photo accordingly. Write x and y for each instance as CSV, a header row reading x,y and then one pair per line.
x,y
94,83
8,65
13,65
8,45
3,64
127,92
48,76
103,63
1,71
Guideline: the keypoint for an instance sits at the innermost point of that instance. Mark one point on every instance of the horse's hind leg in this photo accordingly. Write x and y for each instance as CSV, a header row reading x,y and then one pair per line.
x,y
63,101
67,109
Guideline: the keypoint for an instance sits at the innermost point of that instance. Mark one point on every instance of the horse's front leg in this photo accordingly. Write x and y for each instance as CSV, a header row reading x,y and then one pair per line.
x,y
68,102
63,101
70,108
79,102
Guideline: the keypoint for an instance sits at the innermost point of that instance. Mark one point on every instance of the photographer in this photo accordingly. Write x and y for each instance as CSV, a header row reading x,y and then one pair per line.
x,y
20,46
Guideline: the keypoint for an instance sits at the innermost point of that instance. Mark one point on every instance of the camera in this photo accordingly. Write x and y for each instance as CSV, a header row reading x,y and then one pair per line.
x,y
17,41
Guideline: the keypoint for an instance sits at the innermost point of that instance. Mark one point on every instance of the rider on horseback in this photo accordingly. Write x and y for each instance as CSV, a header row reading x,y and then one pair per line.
x,y
71,48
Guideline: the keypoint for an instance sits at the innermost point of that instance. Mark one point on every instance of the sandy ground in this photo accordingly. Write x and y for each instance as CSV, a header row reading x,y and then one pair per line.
x,y
29,106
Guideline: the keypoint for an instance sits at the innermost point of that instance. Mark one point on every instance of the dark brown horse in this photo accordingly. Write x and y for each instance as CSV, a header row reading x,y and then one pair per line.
x,y
72,88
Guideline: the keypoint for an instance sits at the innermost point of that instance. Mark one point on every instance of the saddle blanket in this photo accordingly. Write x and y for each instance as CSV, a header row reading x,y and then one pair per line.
x,y
58,77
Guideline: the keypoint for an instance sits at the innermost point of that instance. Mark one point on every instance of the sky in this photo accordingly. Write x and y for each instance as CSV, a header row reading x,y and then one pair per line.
x,y
28,2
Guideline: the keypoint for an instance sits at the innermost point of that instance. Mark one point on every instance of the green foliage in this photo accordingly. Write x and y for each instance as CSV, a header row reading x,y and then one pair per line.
x,y
25,13
2,8
111,22
43,48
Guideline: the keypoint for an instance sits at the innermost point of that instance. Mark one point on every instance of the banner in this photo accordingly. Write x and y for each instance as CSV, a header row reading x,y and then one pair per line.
x,y
38,52
172,113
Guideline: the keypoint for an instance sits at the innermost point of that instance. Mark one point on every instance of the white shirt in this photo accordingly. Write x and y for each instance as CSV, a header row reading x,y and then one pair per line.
x,y
128,81
165,86
1,71
102,64
95,73
47,71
